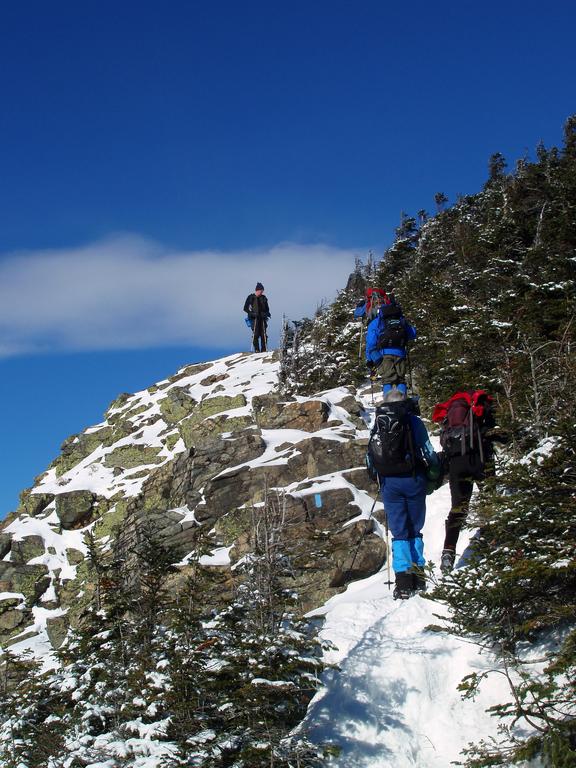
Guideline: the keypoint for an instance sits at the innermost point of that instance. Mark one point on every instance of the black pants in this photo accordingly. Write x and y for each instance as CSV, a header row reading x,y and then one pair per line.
x,y
463,472
259,338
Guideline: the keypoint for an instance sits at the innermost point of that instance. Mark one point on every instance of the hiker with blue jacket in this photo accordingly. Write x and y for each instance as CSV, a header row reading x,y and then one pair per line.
x,y
401,458
386,340
258,314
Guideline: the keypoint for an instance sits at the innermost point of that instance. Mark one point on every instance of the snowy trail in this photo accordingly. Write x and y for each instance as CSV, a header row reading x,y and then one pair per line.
x,y
393,701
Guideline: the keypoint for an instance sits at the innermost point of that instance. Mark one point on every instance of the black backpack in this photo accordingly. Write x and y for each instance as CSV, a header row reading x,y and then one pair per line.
x,y
391,447
393,333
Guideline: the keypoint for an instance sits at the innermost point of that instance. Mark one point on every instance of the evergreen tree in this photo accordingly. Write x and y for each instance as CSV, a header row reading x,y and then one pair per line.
x,y
520,589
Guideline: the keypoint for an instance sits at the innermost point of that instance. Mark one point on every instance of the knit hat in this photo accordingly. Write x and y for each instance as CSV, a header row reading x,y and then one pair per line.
x,y
259,287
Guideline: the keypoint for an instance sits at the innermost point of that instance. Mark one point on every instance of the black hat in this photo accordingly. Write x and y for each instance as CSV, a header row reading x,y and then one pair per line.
x,y
259,287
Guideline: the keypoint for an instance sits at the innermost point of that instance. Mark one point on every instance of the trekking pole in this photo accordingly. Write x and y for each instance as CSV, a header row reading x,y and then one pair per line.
x,y
388,550
372,377
348,572
389,581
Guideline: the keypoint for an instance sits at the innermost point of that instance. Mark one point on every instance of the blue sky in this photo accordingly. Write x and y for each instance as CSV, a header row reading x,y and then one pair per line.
x,y
158,159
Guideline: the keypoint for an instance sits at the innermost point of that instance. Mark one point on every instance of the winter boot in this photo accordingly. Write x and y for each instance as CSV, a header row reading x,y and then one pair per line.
x,y
418,580
447,560
404,586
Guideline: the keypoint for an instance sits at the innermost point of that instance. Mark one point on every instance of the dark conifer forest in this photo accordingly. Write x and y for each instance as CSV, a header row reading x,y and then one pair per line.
x,y
490,283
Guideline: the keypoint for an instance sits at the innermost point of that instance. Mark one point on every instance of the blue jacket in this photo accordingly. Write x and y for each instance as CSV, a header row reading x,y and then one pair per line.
x,y
375,328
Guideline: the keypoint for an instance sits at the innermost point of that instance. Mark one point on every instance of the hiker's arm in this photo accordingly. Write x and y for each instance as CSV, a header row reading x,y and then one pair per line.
x,y
423,442
373,354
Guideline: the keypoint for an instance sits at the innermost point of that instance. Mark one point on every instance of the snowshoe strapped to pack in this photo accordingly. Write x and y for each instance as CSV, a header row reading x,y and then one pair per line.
x,y
391,446
461,418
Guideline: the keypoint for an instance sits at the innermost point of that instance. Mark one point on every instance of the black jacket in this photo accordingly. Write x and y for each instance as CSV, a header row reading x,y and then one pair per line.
x,y
257,306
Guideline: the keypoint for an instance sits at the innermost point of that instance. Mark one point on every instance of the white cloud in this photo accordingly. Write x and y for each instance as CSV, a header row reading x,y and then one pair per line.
x,y
128,292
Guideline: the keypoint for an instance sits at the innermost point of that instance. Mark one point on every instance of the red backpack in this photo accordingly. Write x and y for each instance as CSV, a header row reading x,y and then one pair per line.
x,y
369,306
461,418
375,298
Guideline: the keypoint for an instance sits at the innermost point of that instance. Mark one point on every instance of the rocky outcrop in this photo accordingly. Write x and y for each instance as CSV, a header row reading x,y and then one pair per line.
x,y
74,508
196,457
23,550
271,412
5,545
130,456
176,405
31,581
57,629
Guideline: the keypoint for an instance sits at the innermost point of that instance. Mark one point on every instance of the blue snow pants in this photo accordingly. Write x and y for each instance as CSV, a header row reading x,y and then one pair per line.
x,y
404,500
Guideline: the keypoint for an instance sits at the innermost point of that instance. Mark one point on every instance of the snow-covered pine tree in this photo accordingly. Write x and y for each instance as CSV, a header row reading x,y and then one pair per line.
x,y
329,351
268,659
518,594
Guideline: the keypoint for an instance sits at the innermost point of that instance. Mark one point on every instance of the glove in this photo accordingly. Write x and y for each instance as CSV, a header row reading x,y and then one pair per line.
x,y
372,369
433,472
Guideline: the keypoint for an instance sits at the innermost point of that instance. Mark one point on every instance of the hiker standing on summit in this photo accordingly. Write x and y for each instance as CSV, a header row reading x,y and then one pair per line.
x,y
258,311
386,340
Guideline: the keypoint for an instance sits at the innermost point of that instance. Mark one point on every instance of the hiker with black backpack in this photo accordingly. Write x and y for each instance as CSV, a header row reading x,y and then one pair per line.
x,y
258,314
386,340
401,459
467,440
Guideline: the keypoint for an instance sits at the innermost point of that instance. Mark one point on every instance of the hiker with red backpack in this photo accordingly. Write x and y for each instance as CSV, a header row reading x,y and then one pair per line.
x,y
258,314
386,340
468,454
401,459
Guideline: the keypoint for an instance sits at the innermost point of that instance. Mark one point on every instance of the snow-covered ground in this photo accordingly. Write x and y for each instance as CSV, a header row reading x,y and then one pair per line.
x,y
393,701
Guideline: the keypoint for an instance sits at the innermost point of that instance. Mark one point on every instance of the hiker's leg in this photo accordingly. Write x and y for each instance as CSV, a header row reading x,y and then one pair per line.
x,y
257,333
416,508
401,557
461,487
395,507
388,373
417,551
400,372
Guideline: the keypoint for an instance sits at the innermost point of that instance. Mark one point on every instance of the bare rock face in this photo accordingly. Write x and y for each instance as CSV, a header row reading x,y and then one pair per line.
x,y
57,629
10,619
130,456
26,549
24,586
5,545
176,405
74,508
33,503
272,413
